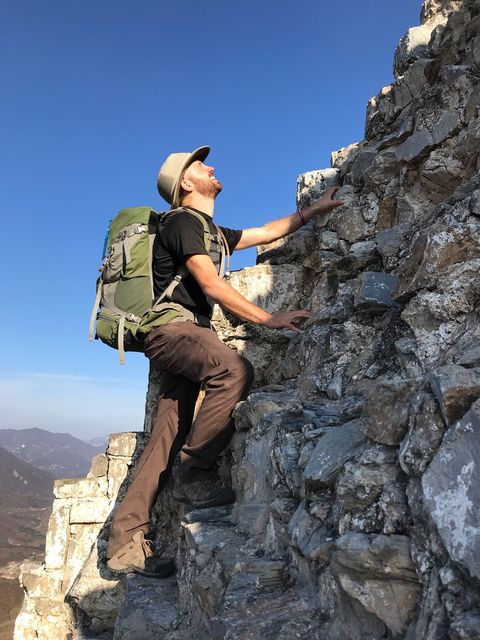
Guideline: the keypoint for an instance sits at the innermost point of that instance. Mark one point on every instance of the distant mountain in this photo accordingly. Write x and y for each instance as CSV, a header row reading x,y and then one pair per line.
x,y
57,453
99,443
26,496
20,478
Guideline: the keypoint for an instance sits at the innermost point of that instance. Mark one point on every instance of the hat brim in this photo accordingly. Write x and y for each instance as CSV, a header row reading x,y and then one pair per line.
x,y
199,154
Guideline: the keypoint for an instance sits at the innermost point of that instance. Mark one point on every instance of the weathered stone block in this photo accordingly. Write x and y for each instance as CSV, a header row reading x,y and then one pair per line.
x,y
249,580
150,610
287,250
258,405
82,538
379,174
118,469
473,103
98,593
374,292
309,536
333,450
403,131
412,46
441,174
56,542
90,511
470,358
286,615
386,410
344,157
450,73
46,620
251,519
380,112
445,127
80,488
351,226
364,251
406,89
362,163
99,466
418,144
455,389
207,537
389,242
124,444
426,429
270,574
364,480
466,626
436,12
272,287
38,582
379,573
311,185
432,254
451,488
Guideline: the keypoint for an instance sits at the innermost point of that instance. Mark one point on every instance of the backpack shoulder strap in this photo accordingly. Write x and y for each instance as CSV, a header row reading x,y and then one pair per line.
x,y
207,236
225,258
206,230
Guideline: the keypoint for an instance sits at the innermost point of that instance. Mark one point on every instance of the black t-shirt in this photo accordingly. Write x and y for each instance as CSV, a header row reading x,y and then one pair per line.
x,y
183,236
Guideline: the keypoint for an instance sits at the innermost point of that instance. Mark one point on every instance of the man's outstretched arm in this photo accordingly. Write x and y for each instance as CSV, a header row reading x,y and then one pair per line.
x,y
203,270
287,225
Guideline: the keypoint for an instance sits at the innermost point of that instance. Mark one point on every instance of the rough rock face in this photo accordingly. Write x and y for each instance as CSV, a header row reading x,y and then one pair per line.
x,y
355,460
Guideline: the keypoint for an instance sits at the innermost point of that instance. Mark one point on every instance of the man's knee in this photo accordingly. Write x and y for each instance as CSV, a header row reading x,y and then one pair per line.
x,y
242,373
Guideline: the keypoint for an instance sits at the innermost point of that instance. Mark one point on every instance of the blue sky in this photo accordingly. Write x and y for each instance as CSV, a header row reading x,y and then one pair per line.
x,y
95,95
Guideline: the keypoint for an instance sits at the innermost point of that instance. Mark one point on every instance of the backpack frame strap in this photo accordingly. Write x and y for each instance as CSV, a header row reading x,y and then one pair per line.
x,y
225,258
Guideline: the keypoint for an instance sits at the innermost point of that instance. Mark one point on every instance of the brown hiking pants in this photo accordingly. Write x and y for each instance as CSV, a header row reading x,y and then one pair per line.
x,y
188,355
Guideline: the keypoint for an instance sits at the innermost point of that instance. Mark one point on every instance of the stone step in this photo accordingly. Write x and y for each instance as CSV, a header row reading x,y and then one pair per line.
x,y
149,611
288,615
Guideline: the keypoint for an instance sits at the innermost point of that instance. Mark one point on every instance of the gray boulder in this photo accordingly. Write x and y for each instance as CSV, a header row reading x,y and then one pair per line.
x,y
451,488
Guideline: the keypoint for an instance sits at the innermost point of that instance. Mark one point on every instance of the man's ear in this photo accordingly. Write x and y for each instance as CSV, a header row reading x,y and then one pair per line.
x,y
186,185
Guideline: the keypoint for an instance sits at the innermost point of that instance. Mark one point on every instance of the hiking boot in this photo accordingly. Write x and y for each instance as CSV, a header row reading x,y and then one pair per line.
x,y
209,492
137,556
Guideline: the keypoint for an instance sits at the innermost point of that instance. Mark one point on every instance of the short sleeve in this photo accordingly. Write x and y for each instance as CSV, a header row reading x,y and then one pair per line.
x,y
232,236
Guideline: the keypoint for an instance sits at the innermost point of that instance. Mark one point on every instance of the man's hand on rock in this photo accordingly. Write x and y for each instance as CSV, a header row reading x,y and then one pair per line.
x,y
323,204
285,320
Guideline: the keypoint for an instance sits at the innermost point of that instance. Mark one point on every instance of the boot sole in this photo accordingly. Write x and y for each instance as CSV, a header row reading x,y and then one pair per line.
x,y
165,573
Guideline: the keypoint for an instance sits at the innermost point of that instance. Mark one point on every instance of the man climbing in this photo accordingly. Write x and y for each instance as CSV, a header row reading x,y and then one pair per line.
x,y
190,354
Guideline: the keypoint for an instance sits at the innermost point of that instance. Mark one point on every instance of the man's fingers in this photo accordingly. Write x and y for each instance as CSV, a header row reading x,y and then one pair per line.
x,y
296,315
331,192
292,327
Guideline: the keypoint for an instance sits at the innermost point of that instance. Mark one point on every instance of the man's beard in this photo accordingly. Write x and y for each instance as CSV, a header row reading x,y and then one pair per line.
x,y
210,188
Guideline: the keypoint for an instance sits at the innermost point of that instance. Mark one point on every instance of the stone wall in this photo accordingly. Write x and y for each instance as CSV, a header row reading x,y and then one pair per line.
x,y
355,458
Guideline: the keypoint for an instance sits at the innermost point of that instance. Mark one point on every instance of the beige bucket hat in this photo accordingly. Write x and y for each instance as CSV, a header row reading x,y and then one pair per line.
x,y
172,170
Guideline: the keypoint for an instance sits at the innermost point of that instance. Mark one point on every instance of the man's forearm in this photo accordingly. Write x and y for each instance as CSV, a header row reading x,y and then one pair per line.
x,y
233,301
283,226
288,224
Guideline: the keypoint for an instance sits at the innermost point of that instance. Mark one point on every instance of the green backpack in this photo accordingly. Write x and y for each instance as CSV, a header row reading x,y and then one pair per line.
x,y
125,294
